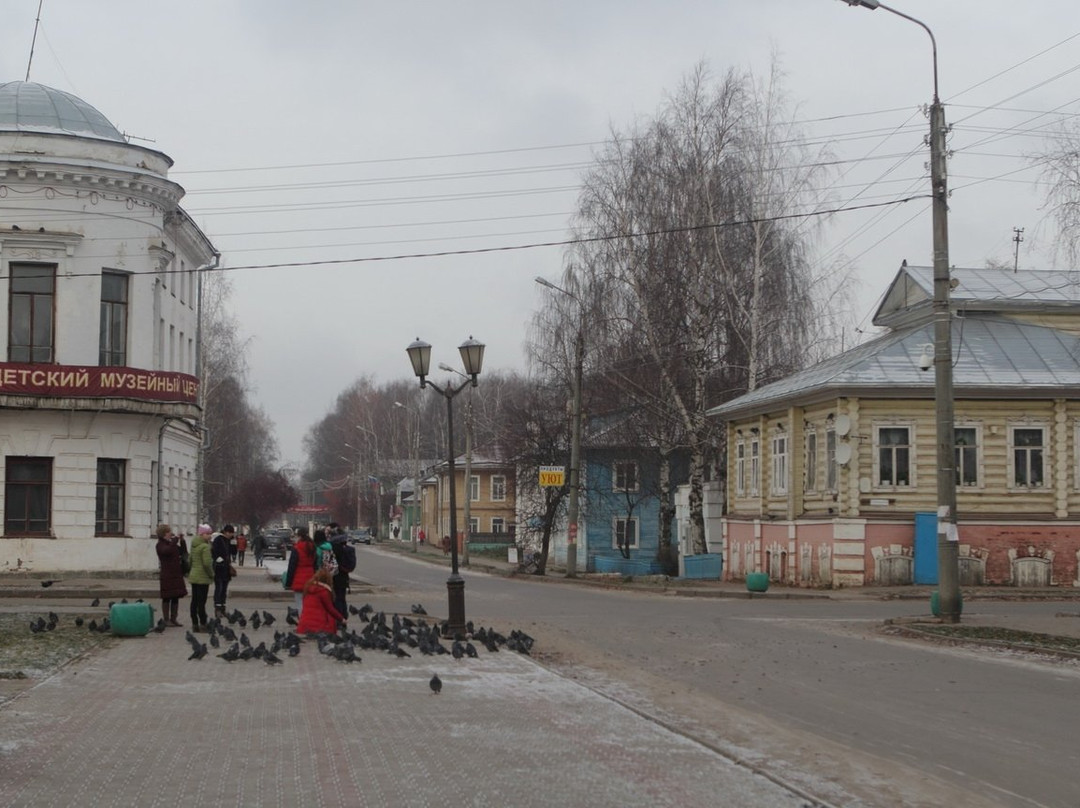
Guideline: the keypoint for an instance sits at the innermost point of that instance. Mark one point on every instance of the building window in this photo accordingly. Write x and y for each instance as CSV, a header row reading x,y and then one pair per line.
x,y
967,455
755,465
1028,444
810,483
112,337
474,488
30,329
109,515
28,496
830,460
779,463
498,487
625,532
625,474
498,525
894,456
740,468
474,525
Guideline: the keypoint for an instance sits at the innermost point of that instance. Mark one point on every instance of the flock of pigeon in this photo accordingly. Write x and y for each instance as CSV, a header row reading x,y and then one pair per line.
x,y
398,635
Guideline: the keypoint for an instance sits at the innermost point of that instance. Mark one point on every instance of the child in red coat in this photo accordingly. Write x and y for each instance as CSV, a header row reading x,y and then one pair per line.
x,y
319,615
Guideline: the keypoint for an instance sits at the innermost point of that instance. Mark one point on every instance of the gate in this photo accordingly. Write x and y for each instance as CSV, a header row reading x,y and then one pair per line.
x,y
926,569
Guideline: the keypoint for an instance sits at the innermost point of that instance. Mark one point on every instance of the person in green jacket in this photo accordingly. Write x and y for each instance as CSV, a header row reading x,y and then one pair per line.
x,y
200,577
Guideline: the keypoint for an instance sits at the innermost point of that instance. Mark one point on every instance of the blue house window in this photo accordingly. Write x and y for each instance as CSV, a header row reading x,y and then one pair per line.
x,y
625,476
625,532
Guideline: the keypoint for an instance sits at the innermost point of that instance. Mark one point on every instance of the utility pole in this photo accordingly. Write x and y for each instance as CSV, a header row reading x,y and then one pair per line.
x,y
948,543
1018,236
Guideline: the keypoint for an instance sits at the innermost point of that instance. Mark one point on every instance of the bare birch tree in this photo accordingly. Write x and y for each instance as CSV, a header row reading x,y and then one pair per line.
x,y
684,235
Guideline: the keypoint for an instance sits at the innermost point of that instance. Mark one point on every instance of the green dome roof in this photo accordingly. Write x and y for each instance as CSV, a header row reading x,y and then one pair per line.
x,y
29,107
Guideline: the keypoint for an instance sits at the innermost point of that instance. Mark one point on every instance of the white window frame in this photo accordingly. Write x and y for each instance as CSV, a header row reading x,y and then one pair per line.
x,y
498,487
498,525
474,488
958,454
755,465
624,488
779,454
740,468
1044,428
909,447
832,468
631,521
810,476
474,525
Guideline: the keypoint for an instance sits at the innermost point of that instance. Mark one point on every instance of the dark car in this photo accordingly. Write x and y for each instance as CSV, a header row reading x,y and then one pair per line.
x,y
359,536
278,542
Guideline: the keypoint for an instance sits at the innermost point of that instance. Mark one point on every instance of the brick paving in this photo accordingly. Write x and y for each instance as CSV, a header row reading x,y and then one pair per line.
x,y
140,725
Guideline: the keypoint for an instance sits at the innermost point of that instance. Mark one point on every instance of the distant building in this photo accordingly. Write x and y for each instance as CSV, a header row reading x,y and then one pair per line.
x,y
99,387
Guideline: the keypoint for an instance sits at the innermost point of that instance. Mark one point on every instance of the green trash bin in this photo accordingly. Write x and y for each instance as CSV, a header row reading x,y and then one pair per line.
x,y
131,619
757,581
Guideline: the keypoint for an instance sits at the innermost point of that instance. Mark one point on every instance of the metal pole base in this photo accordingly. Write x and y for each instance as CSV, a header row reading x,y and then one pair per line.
x,y
455,593
571,560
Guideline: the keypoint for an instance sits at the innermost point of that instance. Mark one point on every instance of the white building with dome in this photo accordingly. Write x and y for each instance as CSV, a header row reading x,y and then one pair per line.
x,y
100,268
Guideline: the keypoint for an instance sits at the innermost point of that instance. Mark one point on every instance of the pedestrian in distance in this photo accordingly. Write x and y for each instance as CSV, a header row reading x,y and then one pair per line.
x,y
319,615
171,573
301,566
258,548
223,569
241,548
233,546
200,577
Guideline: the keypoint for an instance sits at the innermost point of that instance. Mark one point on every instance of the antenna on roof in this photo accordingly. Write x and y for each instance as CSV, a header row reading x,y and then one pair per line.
x,y
33,41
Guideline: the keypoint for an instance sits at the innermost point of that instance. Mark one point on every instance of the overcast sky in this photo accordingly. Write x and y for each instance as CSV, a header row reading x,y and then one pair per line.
x,y
321,131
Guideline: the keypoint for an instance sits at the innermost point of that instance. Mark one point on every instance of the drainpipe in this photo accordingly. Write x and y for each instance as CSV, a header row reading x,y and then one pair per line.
x,y
199,515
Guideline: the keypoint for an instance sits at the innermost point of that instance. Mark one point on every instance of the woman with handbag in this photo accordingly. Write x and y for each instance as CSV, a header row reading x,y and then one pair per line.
x,y
170,551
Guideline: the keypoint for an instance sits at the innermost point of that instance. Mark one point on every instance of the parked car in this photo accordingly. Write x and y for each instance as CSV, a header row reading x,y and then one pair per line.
x,y
359,536
278,542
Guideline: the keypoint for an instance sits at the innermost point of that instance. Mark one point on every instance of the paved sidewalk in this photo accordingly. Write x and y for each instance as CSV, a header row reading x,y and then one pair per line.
x,y
141,725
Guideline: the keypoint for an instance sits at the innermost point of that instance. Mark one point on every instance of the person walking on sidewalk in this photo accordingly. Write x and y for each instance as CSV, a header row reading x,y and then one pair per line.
x,y
241,548
223,569
200,577
171,573
345,556
258,547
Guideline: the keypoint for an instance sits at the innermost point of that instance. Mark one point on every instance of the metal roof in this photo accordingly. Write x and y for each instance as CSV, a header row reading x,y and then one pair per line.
x,y
993,355
29,107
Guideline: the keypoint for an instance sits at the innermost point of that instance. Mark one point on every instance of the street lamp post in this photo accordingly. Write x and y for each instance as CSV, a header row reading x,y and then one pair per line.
x,y
467,508
415,526
472,357
572,509
948,539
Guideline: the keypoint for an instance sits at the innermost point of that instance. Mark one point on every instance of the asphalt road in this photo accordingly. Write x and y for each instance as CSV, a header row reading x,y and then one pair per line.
x,y
808,690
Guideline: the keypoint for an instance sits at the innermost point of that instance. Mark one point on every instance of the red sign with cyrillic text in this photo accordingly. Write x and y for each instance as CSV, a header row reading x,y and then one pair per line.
x,y
83,381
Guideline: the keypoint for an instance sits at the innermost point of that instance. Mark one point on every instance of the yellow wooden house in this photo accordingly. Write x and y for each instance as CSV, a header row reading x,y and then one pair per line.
x,y
491,493
831,472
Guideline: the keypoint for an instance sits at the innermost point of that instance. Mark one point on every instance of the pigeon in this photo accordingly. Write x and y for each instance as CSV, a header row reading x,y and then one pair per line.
x,y
214,641
291,617
470,651
435,684
418,609
37,626
47,584
92,625
457,649
400,653
105,626
199,652
294,650
270,658
232,654
96,602
255,621
160,627
244,640
247,653
78,622
268,619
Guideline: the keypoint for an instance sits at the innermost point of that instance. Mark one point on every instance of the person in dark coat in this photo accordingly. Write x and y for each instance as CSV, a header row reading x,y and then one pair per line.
x,y
223,569
171,574
258,548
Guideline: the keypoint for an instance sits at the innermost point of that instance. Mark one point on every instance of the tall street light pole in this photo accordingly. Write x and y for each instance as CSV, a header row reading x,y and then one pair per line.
x,y
414,528
575,434
472,357
948,538
468,468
